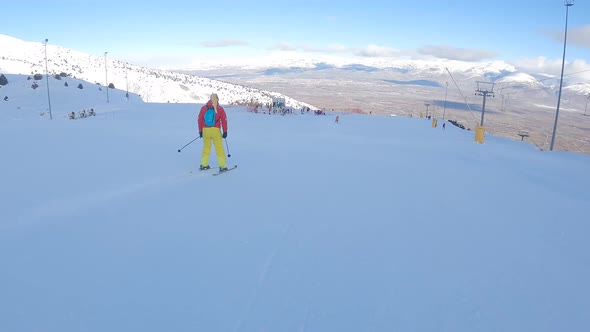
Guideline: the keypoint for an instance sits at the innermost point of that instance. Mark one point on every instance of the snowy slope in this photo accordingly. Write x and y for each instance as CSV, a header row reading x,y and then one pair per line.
x,y
372,224
153,85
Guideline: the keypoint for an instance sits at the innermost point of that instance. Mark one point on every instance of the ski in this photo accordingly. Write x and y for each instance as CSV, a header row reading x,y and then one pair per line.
x,y
204,170
229,169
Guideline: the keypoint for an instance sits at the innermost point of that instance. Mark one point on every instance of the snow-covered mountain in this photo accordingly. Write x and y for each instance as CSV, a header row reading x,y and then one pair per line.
x,y
195,83
291,59
152,85
500,72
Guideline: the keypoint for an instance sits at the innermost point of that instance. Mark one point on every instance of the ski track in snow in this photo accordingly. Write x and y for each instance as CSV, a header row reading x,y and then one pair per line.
x,y
262,279
72,205
305,320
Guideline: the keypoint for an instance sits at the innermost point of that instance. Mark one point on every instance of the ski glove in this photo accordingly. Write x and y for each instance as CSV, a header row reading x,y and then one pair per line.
x,y
200,134
224,134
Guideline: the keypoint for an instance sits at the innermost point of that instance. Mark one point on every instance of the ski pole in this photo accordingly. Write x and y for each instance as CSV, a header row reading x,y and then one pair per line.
x,y
188,143
228,154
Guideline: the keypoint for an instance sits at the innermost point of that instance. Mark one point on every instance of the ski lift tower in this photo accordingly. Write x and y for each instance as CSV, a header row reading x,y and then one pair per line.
x,y
484,89
523,134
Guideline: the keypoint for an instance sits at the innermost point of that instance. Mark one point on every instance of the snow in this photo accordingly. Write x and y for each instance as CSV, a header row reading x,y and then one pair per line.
x,y
519,78
294,59
151,85
375,223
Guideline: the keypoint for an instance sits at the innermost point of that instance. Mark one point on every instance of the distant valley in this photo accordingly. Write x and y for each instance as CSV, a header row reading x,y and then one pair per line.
x,y
517,107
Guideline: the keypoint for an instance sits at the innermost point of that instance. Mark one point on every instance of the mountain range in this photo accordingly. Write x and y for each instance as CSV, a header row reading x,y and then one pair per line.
x,y
518,102
152,85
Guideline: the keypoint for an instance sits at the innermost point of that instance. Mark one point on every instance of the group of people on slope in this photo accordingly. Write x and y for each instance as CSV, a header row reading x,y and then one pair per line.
x,y
82,114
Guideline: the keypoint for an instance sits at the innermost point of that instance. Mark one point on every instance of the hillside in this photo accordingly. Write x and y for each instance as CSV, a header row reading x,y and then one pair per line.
x,y
152,85
375,223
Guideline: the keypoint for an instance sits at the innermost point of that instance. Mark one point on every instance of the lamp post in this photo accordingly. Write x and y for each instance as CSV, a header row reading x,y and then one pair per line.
x,y
445,104
568,4
126,84
502,94
106,76
47,79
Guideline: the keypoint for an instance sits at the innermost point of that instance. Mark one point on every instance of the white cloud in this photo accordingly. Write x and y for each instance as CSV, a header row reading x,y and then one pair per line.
x,y
456,53
580,36
367,51
577,70
378,51
334,48
224,43
285,46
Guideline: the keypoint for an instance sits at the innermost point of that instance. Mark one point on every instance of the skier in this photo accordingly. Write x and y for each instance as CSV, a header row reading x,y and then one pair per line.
x,y
337,118
211,119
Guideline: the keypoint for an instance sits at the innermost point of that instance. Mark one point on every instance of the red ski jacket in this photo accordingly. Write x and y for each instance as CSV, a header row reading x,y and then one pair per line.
x,y
220,117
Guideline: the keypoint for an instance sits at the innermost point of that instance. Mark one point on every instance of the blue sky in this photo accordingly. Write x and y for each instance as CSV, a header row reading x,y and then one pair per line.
x,y
176,32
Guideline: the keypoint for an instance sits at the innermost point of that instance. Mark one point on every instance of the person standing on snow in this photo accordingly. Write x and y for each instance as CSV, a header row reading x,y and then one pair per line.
x,y
211,120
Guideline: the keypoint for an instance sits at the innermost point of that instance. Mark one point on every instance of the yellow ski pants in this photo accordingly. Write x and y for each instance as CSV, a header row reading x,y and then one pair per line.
x,y
213,134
